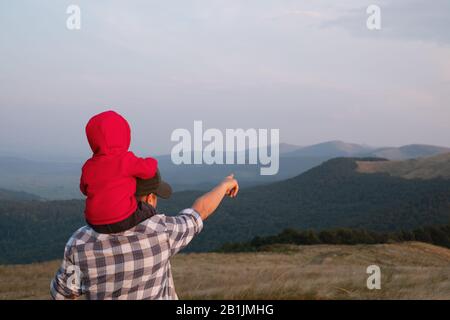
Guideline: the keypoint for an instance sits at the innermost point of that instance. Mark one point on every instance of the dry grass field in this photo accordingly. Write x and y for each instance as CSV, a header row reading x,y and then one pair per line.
x,y
408,271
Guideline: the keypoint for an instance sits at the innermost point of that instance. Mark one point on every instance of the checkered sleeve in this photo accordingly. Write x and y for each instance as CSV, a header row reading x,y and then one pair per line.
x,y
67,281
182,228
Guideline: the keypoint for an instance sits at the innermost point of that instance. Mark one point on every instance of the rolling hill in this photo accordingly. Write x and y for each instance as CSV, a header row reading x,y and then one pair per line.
x,y
408,152
331,195
37,230
48,180
59,180
330,149
16,195
287,147
421,168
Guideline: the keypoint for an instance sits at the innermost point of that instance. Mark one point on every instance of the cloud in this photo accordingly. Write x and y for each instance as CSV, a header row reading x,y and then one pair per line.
x,y
422,20
306,13
231,63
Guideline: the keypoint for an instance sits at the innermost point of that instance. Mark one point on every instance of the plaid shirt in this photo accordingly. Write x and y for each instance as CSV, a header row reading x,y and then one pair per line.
x,y
130,265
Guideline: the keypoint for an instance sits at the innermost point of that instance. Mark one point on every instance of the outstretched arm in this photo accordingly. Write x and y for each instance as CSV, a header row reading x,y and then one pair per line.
x,y
183,227
208,203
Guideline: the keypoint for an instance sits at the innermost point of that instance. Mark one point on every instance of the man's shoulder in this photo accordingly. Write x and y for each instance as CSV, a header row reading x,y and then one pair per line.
x,y
82,235
86,234
156,223
160,221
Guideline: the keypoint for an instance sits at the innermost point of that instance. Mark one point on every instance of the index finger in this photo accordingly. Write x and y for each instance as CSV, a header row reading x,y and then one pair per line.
x,y
235,190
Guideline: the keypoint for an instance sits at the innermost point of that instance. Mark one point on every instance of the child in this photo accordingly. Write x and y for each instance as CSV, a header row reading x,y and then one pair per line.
x,y
108,179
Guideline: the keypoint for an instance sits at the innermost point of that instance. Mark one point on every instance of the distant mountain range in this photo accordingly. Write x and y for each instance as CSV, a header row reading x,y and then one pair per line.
x,y
421,168
17,195
330,149
333,194
333,149
59,180
49,180
408,152
330,195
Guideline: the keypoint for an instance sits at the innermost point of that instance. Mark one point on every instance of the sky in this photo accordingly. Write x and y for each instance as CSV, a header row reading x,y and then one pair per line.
x,y
311,69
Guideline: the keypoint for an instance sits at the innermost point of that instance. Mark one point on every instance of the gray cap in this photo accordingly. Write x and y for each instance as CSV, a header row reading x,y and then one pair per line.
x,y
154,185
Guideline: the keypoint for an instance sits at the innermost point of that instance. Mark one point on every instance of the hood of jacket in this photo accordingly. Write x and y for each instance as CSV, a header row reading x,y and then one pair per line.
x,y
108,133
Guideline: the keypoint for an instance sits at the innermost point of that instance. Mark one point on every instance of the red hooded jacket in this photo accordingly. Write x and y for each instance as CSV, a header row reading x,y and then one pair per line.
x,y
108,179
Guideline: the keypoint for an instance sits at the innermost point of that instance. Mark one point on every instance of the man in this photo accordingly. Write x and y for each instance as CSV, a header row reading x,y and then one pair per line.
x,y
135,264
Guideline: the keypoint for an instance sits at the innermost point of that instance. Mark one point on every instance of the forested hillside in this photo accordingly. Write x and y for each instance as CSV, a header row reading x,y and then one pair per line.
x,y
437,235
332,195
